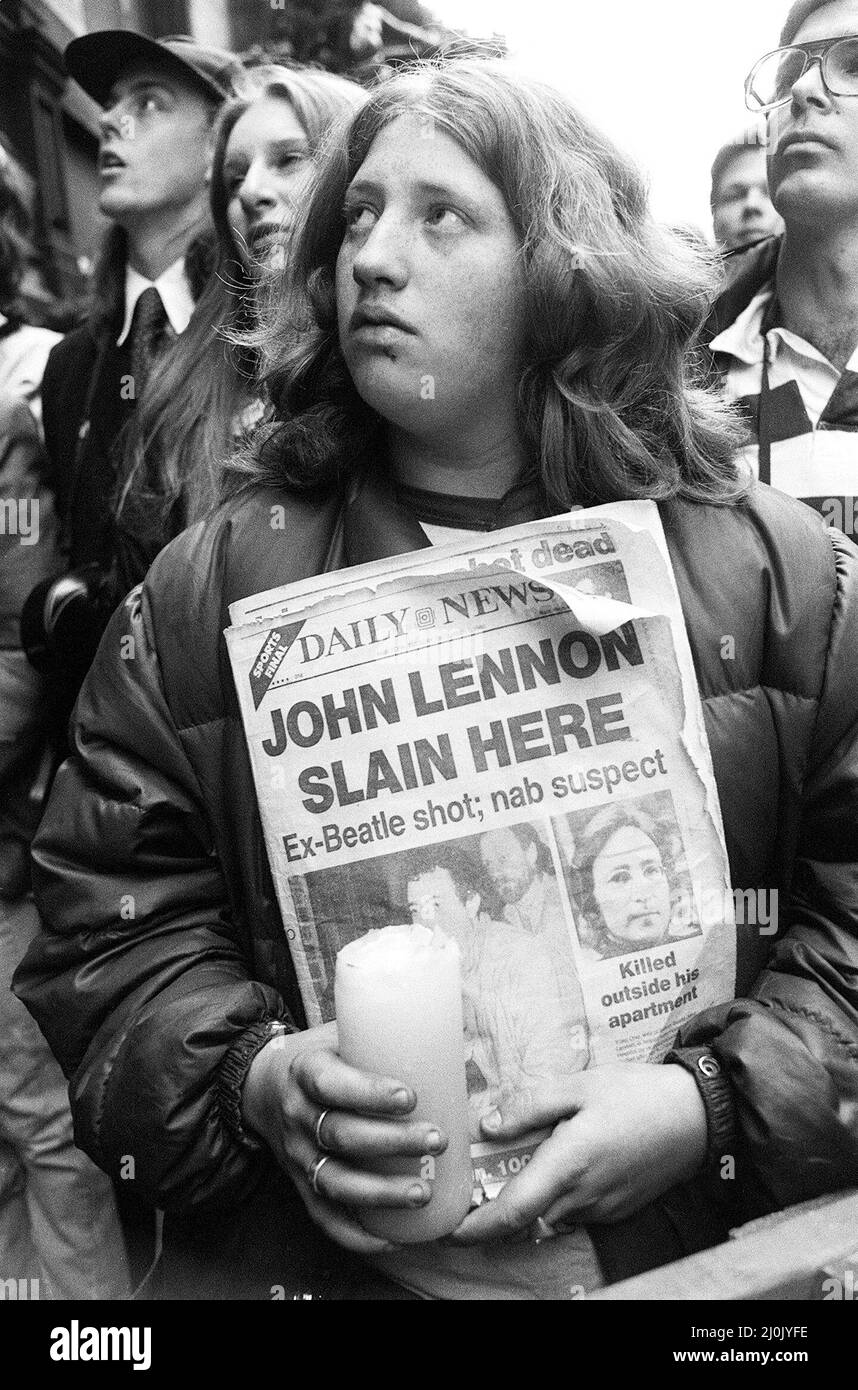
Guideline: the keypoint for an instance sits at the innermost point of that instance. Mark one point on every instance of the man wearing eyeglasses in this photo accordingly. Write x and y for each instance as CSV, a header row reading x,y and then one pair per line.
x,y
784,333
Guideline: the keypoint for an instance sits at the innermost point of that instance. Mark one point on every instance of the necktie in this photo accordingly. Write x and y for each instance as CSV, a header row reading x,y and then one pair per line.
x,y
150,333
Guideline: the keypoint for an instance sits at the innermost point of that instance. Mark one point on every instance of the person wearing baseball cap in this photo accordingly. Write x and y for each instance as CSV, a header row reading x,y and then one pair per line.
x,y
95,61
160,98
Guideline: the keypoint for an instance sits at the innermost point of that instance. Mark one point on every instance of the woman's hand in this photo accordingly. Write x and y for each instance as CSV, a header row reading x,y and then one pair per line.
x,y
290,1082
622,1135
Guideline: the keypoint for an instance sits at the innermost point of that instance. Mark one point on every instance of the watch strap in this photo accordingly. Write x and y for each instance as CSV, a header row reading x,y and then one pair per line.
x,y
716,1093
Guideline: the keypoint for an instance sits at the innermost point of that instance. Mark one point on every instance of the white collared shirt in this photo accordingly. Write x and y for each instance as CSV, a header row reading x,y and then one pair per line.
x,y
175,294
790,358
820,464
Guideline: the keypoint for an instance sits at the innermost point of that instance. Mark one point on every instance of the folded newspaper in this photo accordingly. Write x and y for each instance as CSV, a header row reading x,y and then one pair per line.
x,y
502,737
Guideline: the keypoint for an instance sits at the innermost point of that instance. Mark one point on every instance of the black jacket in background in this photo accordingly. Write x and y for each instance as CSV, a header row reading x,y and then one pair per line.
x,y
83,390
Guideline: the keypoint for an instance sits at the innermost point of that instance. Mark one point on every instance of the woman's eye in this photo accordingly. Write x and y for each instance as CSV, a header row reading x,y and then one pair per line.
x,y
358,218
442,216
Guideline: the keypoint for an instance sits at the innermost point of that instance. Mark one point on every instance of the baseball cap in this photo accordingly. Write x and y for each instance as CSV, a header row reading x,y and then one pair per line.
x,y
96,60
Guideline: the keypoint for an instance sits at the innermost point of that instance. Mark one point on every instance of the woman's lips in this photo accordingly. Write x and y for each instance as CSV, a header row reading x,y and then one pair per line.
x,y
378,334
262,231
375,316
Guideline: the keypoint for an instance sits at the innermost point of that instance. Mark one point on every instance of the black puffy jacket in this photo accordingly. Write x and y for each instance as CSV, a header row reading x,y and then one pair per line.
x,y
163,941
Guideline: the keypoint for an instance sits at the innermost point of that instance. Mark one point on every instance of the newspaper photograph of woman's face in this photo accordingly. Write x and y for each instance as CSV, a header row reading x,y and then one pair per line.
x,y
501,897
627,876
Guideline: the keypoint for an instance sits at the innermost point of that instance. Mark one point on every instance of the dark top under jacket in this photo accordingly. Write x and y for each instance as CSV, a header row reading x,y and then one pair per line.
x,y
86,387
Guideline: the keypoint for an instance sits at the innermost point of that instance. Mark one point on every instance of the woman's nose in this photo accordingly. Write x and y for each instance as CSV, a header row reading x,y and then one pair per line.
x,y
382,255
256,193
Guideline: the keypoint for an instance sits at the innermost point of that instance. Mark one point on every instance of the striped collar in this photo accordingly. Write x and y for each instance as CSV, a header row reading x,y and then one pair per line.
x,y
744,339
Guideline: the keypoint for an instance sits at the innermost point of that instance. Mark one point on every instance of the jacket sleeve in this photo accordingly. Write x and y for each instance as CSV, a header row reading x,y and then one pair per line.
x,y
27,555
52,411
137,979
791,1050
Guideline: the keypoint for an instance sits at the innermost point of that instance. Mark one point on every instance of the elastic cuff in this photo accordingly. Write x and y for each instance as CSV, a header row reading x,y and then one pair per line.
x,y
233,1071
717,1095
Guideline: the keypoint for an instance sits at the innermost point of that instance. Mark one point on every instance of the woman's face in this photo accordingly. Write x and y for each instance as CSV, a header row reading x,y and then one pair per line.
x,y
631,888
265,165
430,287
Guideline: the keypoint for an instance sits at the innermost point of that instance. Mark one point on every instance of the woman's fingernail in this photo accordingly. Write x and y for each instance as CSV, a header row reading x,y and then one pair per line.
x,y
434,1142
492,1120
401,1098
417,1195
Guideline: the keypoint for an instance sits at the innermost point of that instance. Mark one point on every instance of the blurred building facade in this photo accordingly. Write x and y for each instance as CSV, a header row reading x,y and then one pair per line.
x,y
51,126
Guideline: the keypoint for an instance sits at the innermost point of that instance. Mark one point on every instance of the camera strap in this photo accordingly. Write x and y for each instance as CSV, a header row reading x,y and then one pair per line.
x,y
764,418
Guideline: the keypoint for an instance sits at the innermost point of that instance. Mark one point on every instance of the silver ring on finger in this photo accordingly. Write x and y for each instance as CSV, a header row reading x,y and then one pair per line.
x,y
313,1170
317,1133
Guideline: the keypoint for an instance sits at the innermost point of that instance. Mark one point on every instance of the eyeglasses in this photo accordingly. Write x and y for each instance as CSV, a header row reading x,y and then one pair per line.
x,y
771,80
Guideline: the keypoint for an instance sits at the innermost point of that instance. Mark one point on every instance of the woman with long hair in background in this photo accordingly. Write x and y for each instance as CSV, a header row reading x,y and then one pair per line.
x,y
204,397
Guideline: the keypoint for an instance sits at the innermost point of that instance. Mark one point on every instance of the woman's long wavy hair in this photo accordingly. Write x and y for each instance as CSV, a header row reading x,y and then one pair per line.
x,y
610,401
182,428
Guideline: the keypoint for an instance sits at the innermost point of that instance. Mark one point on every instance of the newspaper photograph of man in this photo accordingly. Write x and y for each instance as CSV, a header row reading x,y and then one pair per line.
x,y
629,878
518,862
524,1018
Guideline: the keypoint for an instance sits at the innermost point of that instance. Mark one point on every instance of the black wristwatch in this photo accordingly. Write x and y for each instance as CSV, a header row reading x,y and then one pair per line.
x,y
717,1095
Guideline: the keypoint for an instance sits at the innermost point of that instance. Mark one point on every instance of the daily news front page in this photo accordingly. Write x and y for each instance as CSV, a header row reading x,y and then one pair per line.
x,y
504,739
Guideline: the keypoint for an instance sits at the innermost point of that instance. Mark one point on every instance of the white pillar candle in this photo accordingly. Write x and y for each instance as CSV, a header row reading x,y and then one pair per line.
x,y
398,994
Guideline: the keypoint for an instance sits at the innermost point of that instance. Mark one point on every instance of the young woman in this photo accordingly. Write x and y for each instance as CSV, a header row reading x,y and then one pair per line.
x,y
470,231
205,395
